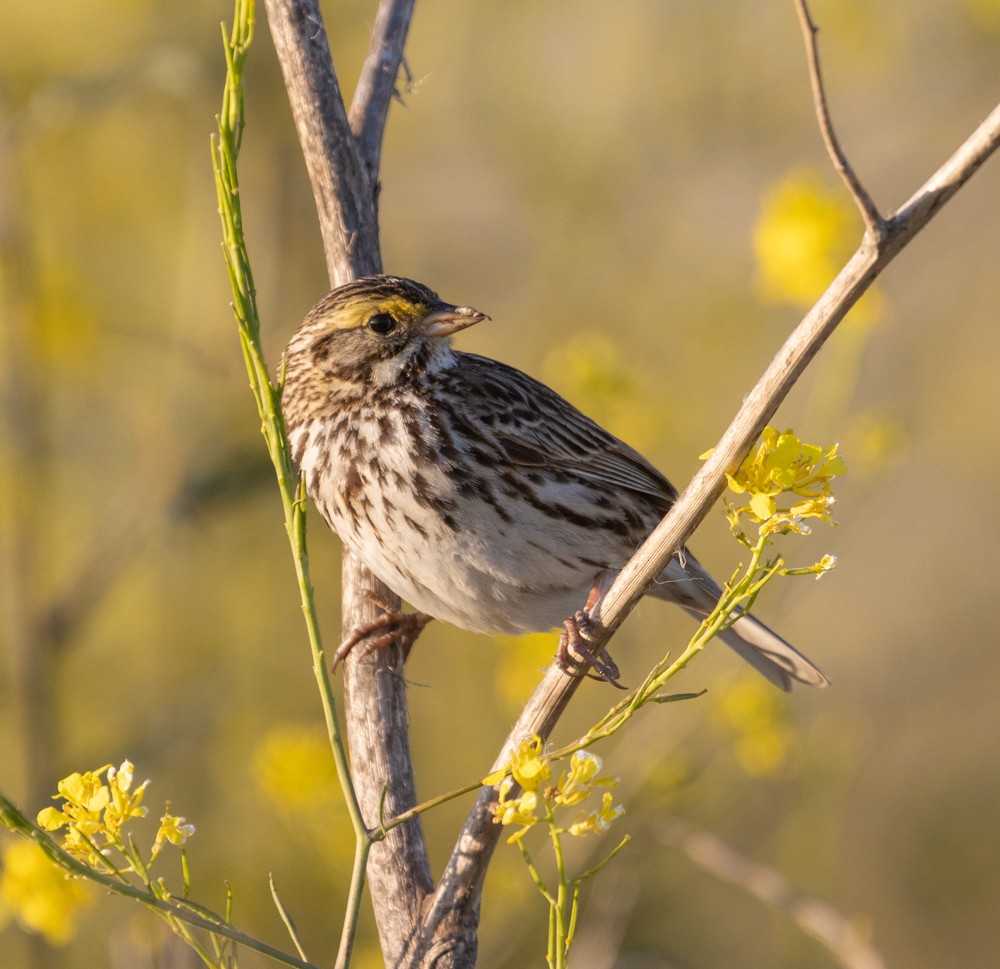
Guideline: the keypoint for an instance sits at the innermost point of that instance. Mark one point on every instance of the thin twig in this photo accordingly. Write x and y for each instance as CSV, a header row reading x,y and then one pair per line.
x,y
875,225
293,932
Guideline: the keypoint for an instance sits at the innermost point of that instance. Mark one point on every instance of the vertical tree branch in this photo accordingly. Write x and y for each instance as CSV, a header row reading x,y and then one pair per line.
x,y
343,171
342,188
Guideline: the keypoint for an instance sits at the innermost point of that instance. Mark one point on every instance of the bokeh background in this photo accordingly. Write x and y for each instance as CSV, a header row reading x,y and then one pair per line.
x,y
638,195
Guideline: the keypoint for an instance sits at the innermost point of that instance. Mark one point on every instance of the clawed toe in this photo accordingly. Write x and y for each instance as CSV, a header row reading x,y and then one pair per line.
x,y
391,627
574,655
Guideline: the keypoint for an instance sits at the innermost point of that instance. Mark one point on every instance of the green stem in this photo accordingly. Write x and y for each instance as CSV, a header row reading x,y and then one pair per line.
x,y
362,846
433,802
293,932
268,400
561,942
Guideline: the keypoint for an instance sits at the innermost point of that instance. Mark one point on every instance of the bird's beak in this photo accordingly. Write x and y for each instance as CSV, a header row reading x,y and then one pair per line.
x,y
445,319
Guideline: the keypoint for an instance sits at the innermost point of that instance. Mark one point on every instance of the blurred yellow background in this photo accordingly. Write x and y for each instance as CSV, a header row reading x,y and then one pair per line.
x,y
637,194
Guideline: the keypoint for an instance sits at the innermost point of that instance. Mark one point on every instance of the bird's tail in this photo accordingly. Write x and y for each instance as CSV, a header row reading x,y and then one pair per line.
x,y
696,592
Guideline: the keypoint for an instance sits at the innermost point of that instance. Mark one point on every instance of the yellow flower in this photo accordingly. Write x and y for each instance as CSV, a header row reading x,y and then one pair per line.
x,y
597,822
826,564
123,806
172,829
529,766
576,784
85,794
39,895
782,463
519,810
94,811
529,769
85,799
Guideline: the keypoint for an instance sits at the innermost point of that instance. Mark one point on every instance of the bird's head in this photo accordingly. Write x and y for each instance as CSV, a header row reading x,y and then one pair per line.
x,y
369,330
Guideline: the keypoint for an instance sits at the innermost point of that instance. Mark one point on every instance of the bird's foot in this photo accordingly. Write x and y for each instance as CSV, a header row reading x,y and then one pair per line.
x,y
575,655
391,627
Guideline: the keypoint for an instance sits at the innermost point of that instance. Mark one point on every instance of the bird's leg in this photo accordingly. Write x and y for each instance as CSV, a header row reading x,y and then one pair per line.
x,y
574,644
392,626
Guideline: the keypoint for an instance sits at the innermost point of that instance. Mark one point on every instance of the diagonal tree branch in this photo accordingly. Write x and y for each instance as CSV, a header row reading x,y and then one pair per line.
x,y
815,917
455,903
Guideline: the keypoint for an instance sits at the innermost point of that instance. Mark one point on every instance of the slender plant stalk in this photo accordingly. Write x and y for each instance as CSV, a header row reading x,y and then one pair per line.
x,y
558,911
293,932
225,151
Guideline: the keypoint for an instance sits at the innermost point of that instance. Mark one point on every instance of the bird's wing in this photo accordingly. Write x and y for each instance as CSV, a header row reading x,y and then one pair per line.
x,y
536,427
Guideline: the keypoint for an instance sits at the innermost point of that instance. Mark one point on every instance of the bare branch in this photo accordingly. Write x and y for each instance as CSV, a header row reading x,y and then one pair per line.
x,y
452,913
918,210
874,223
377,82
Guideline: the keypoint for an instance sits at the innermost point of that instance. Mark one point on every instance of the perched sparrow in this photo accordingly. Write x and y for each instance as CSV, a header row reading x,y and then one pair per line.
x,y
473,491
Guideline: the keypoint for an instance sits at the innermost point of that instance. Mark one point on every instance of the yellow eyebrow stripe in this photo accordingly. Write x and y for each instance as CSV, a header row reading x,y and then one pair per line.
x,y
358,312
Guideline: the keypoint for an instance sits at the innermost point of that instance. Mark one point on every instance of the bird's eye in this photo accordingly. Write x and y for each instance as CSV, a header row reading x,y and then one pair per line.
x,y
381,323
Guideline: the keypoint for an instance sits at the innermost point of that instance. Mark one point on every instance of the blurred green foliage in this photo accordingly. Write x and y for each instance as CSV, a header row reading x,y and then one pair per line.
x,y
594,179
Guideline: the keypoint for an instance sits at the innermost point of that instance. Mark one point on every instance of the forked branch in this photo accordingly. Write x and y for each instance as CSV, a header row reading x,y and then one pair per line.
x,y
874,223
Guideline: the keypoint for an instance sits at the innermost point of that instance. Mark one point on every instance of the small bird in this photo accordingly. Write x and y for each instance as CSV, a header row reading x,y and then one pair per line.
x,y
476,493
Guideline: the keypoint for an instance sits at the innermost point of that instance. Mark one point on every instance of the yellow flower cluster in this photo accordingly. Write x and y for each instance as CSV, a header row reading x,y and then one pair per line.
x,y
538,799
782,464
96,805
